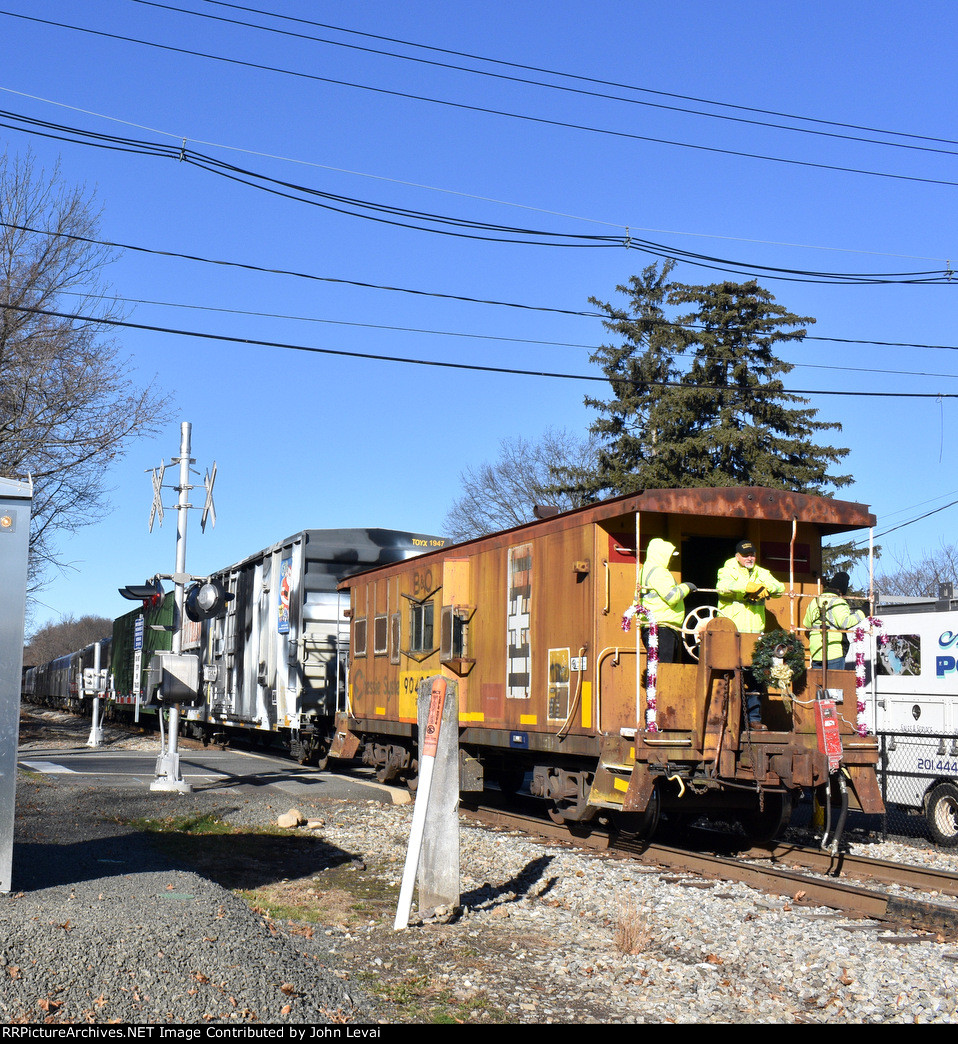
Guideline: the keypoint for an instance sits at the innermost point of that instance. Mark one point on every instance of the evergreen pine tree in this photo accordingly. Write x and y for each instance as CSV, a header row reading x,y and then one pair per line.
x,y
629,431
698,399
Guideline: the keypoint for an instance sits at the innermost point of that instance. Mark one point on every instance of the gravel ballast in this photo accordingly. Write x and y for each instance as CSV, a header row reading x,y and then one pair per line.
x,y
101,928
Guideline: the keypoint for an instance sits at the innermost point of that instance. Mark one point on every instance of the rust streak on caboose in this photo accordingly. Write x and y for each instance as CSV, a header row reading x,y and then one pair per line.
x,y
529,622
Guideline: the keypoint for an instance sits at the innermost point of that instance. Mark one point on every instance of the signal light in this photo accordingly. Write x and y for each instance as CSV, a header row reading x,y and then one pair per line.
x,y
206,600
149,593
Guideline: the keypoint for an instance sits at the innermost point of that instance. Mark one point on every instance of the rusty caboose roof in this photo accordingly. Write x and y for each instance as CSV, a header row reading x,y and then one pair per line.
x,y
834,516
759,502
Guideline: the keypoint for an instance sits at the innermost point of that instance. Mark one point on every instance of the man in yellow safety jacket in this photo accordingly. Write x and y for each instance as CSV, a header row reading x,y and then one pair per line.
x,y
830,610
657,592
742,589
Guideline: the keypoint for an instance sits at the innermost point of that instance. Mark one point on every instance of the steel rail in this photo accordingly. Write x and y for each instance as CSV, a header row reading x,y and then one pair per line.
x,y
862,868
852,900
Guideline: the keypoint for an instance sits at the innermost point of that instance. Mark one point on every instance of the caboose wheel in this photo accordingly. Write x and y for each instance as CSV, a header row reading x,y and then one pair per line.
x,y
639,826
766,823
692,626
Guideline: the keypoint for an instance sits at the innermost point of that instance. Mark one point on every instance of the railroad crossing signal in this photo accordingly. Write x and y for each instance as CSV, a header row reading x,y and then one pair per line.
x,y
149,593
156,511
206,600
208,509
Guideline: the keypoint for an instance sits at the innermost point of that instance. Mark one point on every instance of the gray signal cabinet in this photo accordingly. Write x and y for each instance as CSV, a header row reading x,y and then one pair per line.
x,y
15,501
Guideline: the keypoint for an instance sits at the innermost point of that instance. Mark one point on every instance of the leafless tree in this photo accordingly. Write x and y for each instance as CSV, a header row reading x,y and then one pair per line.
x,y
67,636
502,494
920,579
69,405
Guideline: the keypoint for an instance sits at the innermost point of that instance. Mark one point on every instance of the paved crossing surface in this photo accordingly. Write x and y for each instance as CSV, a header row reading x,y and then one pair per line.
x,y
207,769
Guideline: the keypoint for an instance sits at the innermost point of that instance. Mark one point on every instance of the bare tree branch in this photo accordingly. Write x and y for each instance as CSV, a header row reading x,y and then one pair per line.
x,y
69,405
920,579
503,494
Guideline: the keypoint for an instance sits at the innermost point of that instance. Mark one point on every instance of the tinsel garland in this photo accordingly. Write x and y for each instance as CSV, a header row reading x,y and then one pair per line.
x,y
876,626
653,660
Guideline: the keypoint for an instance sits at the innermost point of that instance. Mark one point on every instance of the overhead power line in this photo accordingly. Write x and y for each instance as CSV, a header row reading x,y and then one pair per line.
x,y
566,75
308,275
754,392
266,270
902,525
471,335
471,196
445,224
485,110
602,95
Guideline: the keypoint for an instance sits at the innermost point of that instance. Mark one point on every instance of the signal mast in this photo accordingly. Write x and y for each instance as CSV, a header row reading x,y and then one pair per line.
x,y
175,674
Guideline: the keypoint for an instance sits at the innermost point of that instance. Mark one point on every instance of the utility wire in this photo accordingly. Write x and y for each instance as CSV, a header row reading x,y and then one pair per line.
x,y
909,522
752,392
471,196
574,76
549,86
485,110
450,226
352,323
306,275
390,328
111,244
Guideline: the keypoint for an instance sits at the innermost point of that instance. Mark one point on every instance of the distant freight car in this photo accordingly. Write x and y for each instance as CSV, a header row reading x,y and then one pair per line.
x,y
529,623
69,679
273,661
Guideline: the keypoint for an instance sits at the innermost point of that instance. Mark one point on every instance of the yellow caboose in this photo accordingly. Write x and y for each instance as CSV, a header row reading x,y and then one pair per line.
x,y
529,622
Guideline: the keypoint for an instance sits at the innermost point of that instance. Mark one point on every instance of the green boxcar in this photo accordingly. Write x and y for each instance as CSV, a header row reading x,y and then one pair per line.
x,y
157,637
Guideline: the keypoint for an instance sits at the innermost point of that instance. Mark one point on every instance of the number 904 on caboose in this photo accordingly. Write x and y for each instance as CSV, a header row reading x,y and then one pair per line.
x,y
599,720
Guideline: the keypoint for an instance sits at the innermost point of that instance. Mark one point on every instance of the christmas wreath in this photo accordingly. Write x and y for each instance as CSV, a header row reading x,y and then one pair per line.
x,y
778,658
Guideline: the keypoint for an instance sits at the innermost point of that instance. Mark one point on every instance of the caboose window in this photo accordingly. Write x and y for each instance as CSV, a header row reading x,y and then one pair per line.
x,y
359,637
395,635
380,635
421,627
452,643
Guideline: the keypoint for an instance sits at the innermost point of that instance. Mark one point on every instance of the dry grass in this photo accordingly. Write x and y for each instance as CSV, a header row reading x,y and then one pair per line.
x,y
633,932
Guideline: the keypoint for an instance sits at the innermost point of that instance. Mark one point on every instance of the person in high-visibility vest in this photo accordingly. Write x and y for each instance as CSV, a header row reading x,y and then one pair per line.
x,y
830,612
657,591
742,587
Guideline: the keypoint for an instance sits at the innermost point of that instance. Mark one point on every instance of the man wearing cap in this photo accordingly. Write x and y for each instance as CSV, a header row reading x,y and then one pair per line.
x,y
830,610
742,589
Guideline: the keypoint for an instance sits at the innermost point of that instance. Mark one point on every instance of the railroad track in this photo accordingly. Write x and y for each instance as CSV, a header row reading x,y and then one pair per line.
x,y
772,869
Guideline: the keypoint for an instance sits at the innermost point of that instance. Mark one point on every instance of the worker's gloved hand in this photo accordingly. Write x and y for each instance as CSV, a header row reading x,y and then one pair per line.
x,y
692,588
756,591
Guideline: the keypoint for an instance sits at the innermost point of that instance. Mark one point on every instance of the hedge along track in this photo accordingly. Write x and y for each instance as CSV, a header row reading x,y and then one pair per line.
x,y
763,868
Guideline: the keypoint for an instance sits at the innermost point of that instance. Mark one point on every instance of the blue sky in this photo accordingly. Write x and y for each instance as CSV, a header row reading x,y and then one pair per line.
x,y
309,440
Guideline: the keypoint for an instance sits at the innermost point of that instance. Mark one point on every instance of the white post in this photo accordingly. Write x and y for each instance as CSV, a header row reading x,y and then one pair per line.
x,y
16,499
96,719
428,749
168,763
